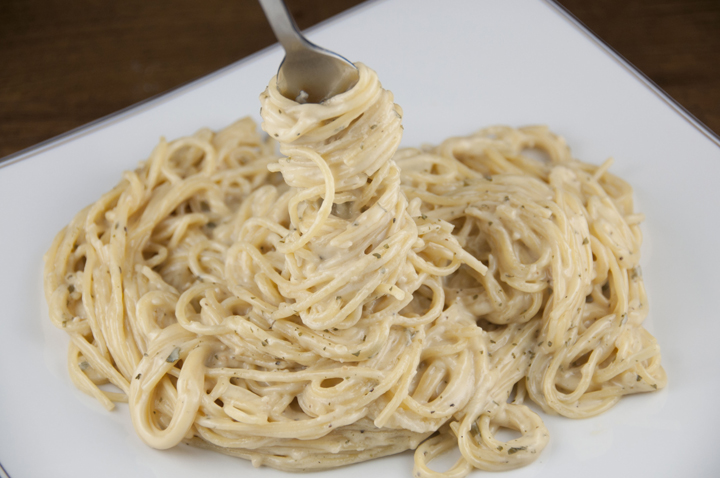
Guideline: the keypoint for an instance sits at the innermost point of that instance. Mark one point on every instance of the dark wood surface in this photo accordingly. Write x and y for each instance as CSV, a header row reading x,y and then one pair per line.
x,y
676,43
64,63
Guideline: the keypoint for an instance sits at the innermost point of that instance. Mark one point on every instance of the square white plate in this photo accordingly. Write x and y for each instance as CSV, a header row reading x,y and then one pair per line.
x,y
454,66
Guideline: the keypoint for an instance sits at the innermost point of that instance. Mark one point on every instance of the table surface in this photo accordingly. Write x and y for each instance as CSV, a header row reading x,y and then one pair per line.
x,y
68,63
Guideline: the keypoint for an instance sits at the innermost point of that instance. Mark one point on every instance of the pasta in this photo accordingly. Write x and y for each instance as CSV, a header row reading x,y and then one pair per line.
x,y
344,300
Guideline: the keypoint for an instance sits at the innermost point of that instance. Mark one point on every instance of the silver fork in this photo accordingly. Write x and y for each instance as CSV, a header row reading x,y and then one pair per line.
x,y
309,73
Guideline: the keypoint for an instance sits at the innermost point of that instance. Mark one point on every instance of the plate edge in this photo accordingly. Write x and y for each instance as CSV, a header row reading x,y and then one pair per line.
x,y
3,472
635,71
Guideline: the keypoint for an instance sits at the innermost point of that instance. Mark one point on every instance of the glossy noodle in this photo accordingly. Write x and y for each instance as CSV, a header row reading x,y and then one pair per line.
x,y
344,300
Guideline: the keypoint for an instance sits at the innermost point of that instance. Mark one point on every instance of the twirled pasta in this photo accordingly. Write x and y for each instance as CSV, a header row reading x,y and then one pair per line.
x,y
345,301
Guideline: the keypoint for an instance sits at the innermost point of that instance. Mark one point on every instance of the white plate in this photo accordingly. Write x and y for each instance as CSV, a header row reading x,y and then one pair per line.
x,y
454,67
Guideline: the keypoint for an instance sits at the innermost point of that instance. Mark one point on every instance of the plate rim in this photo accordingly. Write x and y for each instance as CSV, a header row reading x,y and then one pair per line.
x,y
635,71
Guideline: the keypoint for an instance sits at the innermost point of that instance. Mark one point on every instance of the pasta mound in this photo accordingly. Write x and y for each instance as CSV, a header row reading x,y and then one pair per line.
x,y
345,300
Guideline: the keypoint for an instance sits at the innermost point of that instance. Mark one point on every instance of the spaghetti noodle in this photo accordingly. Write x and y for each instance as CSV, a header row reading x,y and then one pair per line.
x,y
346,301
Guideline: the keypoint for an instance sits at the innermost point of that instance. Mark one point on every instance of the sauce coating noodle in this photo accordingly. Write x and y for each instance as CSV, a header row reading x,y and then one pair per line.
x,y
346,301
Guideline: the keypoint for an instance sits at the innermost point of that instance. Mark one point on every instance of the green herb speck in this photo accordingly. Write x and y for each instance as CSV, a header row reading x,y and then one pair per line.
x,y
174,355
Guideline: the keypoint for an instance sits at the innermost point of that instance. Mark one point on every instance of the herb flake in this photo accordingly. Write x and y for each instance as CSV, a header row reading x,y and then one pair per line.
x,y
174,355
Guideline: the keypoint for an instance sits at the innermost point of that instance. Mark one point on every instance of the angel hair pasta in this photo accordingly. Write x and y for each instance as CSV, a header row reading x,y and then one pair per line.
x,y
344,300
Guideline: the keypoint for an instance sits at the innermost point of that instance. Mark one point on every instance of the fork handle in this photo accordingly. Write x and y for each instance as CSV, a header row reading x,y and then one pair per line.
x,y
283,25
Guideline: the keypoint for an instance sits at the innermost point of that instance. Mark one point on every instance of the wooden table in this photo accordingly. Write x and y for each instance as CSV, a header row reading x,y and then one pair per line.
x,y
66,63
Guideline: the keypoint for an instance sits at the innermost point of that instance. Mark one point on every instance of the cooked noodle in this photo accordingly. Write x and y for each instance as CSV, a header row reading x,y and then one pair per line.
x,y
345,301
